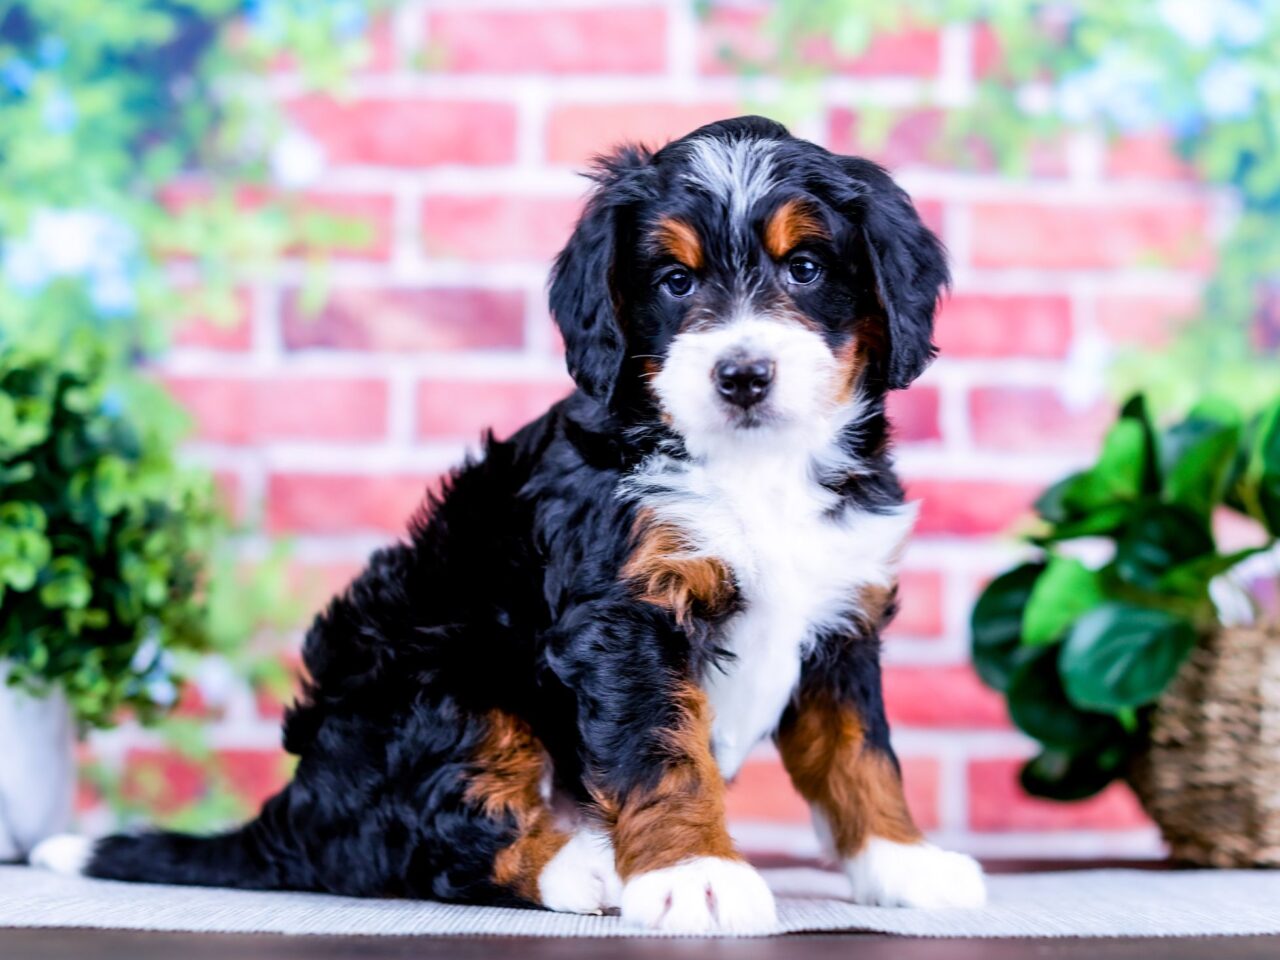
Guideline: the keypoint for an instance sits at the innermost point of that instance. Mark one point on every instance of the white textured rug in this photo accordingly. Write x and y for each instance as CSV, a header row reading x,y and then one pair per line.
x,y
1094,903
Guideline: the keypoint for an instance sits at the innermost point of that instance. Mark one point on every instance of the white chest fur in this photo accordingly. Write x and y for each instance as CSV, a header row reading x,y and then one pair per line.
x,y
799,571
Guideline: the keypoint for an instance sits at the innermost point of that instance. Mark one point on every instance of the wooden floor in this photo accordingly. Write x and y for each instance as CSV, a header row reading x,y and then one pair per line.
x,y
123,945
128,945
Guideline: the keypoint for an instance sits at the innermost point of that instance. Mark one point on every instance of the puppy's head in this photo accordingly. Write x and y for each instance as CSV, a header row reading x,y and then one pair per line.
x,y
747,283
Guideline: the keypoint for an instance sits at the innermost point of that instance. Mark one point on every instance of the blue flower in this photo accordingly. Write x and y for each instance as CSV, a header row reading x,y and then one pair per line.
x,y
87,245
113,406
349,18
1118,88
59,113
112,294
1200,23
1228,89
17,75
52,50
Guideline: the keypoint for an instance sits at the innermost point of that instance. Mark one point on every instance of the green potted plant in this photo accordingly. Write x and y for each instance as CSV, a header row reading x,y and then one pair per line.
x,y
103,540
1124,667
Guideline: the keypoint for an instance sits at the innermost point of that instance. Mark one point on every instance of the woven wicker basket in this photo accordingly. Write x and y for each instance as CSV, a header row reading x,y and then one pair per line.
x,y
1211,777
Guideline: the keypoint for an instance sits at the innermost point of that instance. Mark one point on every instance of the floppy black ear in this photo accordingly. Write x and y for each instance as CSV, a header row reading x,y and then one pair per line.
x,y
910,267
585,290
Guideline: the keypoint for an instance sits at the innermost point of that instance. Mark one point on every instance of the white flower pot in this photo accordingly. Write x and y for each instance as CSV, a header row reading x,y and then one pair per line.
x,y
37,768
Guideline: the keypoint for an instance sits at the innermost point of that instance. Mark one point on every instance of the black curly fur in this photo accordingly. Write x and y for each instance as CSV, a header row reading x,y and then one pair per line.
x,y
506,594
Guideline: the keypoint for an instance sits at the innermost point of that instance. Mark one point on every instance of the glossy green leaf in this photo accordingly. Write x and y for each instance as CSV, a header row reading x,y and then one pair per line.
x,y
996,625
1191,579
1121,655
1118,476
1160,538
1057,774
1197,456
1065,590
1265,468
1039,707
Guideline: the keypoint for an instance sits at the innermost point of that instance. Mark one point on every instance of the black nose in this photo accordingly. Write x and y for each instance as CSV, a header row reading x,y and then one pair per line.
x,y
744,382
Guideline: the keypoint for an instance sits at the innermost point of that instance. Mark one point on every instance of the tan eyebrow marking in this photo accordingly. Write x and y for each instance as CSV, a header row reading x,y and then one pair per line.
x,y
677,239
792,223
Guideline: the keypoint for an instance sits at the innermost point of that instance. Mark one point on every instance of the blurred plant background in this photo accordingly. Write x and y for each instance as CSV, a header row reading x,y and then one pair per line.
x,y
129,135
1203,76
311,236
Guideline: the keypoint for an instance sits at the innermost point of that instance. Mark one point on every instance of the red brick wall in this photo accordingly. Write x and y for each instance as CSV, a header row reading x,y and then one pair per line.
x,y
458,146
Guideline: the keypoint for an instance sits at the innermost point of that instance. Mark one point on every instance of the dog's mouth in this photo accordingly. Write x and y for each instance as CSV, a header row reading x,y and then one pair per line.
x,y
753,418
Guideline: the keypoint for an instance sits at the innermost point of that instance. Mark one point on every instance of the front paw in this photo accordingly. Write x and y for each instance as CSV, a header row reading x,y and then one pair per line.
x,y
888,874
581,877
702,895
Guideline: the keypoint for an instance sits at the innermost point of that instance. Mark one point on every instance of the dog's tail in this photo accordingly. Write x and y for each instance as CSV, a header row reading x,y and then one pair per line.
x,y
239,858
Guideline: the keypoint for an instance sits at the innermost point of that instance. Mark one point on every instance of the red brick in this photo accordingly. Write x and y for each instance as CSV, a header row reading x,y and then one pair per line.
x,y
1034,419
966,507
988,53
378,49
497,227
1147,157
578,132
920,783
997,804
462,409
1171,233
730,38
932,212
233,332
407,319
314,583
245,410
1148,319
914,414
322,503
408,132
88,796
975,325
548,40
166,782
763,793
920,604
917,138
942,697
369,215
911,140
255,775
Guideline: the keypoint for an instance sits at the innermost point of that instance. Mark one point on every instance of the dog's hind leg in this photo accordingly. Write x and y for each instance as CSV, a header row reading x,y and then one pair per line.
x,y
562,865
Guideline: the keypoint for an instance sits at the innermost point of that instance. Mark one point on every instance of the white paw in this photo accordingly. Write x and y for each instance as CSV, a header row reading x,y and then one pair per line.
x,y
888,874
64,853
581,877
703,895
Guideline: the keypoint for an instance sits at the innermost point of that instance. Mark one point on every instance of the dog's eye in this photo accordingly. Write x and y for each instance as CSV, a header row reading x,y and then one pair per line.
x,y
679,283
803,270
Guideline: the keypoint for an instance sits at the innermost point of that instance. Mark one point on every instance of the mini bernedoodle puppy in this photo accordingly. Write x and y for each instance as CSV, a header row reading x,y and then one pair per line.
x,y
538,699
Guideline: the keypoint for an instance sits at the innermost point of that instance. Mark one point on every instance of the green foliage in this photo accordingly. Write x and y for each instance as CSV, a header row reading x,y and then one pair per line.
x,y
117,578
1081,653
102,535
98,125
1202,74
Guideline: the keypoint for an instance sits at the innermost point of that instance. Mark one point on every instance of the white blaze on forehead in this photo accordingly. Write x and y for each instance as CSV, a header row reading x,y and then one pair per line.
x,y
739,172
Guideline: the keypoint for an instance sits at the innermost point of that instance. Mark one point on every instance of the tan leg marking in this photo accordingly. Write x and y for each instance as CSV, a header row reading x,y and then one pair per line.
x,y
682,816
508,782
855,787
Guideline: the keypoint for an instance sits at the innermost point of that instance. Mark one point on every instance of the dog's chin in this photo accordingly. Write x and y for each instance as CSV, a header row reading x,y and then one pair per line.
x,y
755,418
